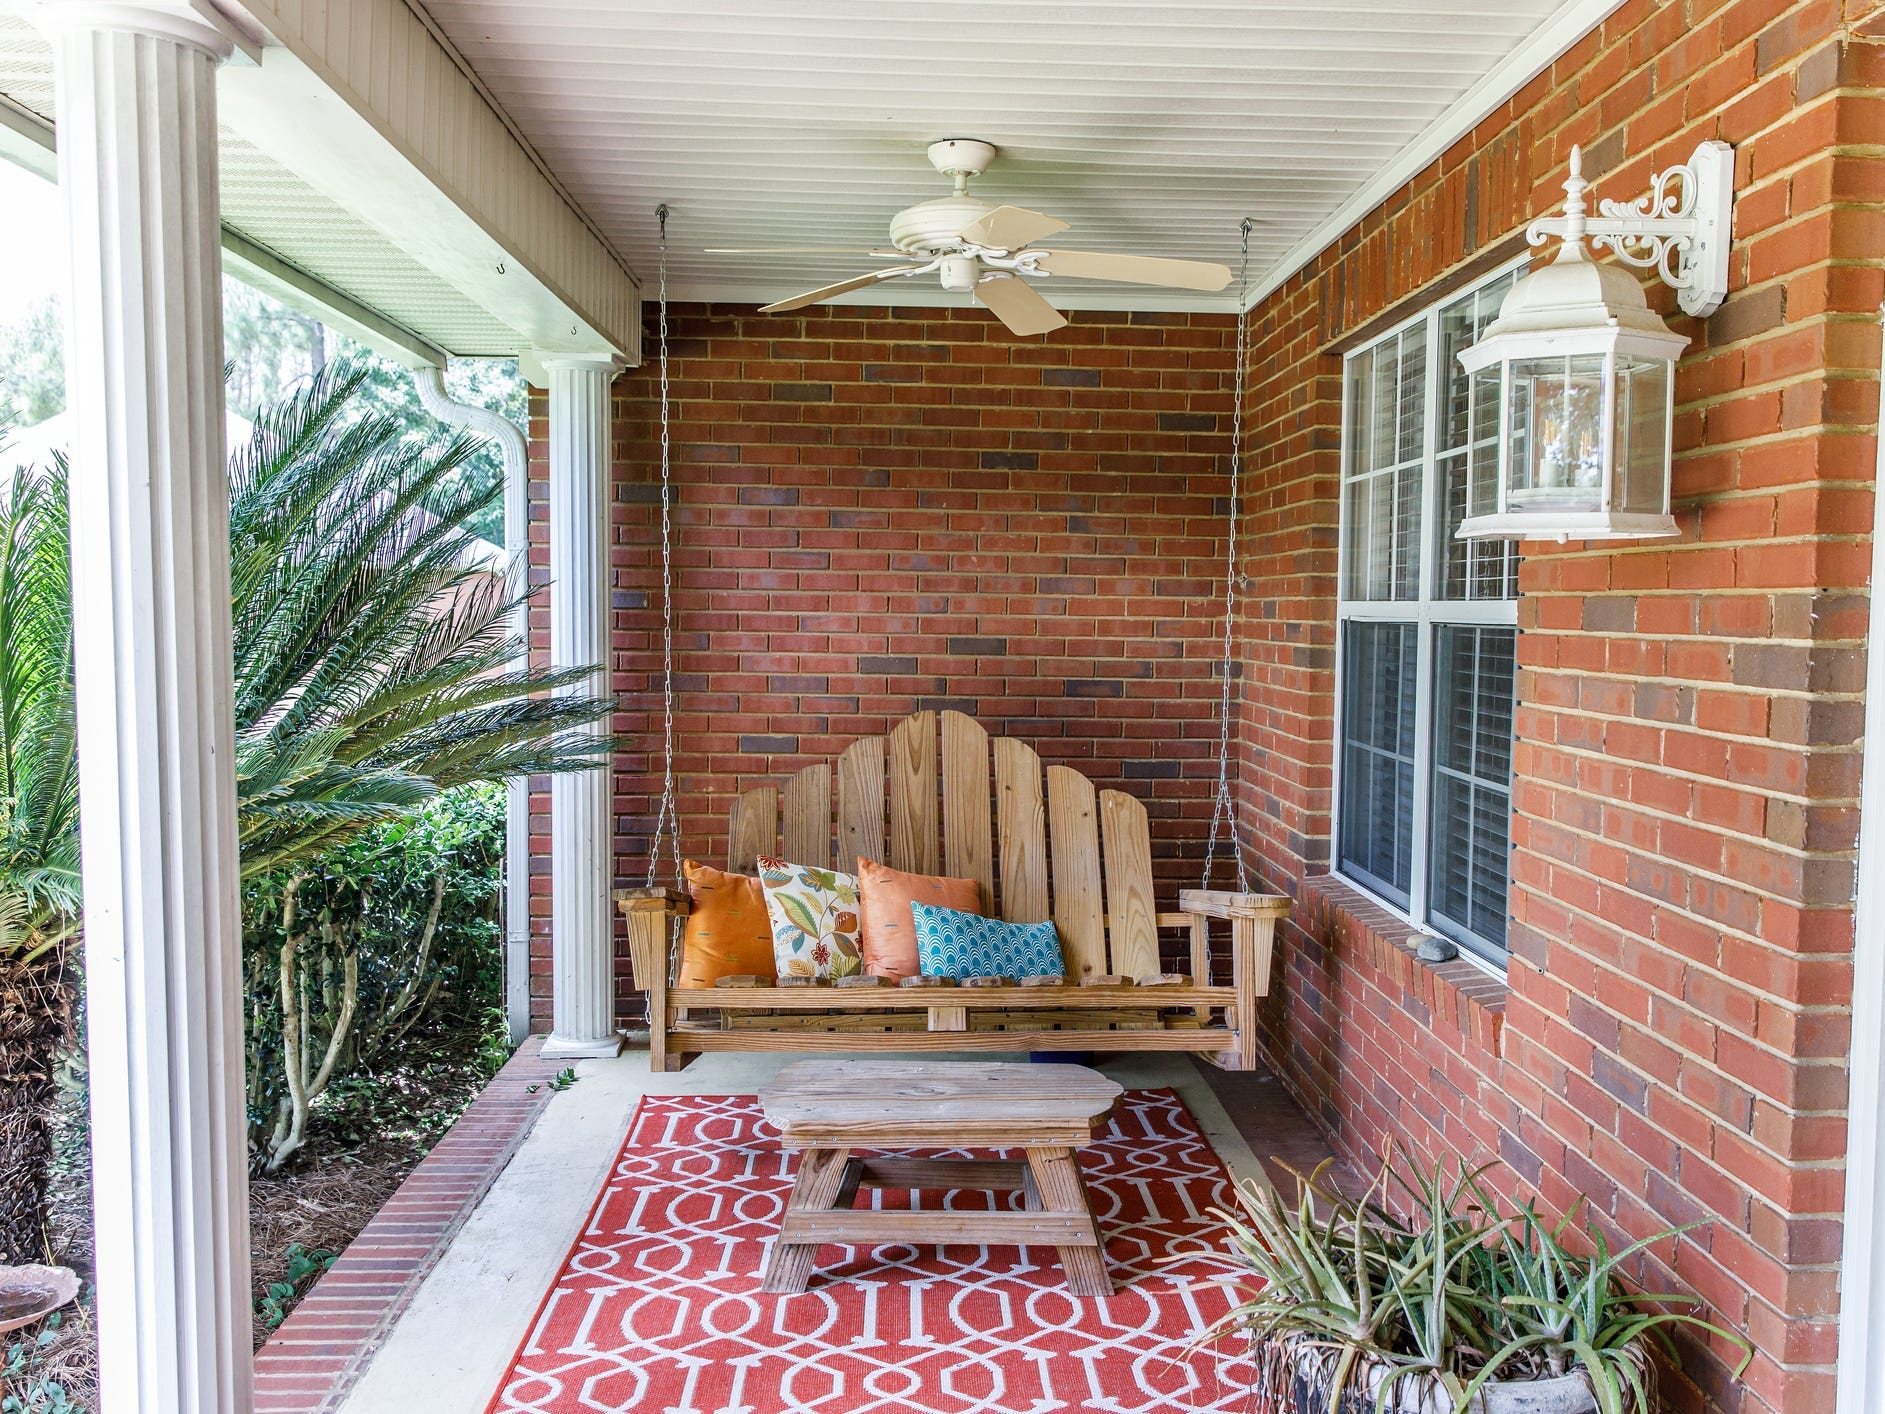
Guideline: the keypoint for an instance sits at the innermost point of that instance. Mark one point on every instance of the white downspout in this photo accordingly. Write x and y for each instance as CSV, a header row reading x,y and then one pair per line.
x,y
430,383
1861,1369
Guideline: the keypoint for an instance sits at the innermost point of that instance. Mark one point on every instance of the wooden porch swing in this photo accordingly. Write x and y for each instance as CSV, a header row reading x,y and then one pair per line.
x,y
938,794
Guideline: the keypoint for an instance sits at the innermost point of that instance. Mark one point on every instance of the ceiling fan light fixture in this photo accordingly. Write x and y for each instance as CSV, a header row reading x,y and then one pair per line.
x,y
959,273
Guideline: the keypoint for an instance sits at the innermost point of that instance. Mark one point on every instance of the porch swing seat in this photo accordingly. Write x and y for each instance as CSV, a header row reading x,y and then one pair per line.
x,y
939,795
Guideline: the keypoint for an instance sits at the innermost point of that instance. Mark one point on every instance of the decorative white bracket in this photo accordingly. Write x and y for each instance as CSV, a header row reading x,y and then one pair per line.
x,y
1680,228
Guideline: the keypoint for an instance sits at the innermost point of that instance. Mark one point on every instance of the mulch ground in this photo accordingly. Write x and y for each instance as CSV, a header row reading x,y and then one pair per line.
x,y
366,1136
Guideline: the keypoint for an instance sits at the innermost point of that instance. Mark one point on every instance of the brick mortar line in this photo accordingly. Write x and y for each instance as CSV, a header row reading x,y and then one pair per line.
x,y
1590,714
1804,1062
1795,1009
1660,815
1816,856
1687,914
1700,636
1715,924
1676,773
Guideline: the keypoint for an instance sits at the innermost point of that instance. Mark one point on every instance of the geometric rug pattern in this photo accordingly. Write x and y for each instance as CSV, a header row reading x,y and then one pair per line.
x,y
658,1310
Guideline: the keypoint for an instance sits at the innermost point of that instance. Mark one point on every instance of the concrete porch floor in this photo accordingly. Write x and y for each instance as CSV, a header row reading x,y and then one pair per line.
x,y
456,1336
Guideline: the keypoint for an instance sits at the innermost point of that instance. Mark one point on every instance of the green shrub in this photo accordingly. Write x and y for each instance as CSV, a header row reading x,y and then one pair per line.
x,y
304,1268
347,954
26,1387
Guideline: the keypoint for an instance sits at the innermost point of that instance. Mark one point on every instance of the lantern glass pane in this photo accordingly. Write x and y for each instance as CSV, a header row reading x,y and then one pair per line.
x,y
1642,436
1555,426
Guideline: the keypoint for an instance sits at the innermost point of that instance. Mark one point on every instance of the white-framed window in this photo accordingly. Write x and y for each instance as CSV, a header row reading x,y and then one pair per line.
x,y
1427,629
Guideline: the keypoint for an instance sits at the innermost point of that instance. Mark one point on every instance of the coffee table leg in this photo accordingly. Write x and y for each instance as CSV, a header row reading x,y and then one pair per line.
x,y
820,1180
849,1184
1057,1178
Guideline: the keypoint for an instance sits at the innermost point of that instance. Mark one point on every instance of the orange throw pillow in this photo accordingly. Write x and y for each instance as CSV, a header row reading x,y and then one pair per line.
x,y
884,897
728,933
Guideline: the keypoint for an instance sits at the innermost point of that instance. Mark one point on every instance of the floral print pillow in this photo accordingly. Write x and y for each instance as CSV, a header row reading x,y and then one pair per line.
x,y
814,919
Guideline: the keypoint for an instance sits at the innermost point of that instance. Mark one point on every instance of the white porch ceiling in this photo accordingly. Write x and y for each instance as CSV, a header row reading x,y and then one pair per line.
x,y
1152,128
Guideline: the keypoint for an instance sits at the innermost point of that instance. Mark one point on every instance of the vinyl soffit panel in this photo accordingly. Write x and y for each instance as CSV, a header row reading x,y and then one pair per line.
x,y
270,206
1150,129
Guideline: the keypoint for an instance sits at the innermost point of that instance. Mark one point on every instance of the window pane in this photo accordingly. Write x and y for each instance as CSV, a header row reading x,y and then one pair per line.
x,y
1384,400
1410,434
1386,394
1378,679
1468,437
1472,769
1356,396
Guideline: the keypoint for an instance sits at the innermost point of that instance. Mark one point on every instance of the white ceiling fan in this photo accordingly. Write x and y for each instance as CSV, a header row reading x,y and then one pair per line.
x,y
982,249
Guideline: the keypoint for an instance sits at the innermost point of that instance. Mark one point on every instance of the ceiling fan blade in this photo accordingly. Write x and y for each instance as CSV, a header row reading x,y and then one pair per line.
x,y
1135,269
1018,304
1009,228
800,250
856,282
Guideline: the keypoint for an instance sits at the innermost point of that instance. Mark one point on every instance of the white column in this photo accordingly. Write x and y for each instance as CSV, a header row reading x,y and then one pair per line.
x,y
581,822
150,579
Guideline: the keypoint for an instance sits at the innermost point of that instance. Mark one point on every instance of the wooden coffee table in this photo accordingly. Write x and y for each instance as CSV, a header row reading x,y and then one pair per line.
x,y
829,1108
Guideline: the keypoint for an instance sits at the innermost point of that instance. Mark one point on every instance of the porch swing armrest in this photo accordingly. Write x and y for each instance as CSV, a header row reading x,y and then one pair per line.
x,y
1253,919
1219,903
651,914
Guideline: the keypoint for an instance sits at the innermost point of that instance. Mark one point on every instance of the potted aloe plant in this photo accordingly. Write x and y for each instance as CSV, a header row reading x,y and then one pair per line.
x,y
1457,1308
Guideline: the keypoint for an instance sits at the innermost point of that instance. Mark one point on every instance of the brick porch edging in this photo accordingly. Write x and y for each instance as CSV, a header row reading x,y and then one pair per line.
x,y
308,1365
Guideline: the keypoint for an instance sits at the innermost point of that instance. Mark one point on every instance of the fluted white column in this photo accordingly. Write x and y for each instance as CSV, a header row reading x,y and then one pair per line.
x,y
150,579
581,822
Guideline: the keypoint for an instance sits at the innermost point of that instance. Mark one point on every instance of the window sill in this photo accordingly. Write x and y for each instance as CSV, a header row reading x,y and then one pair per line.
x,y
1460,997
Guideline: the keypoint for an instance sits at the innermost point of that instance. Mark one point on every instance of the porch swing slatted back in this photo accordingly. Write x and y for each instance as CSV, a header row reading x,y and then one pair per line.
x,y
938,796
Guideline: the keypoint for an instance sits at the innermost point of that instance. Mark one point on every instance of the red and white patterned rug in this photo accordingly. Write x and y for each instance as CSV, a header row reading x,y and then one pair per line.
x,y
658,1309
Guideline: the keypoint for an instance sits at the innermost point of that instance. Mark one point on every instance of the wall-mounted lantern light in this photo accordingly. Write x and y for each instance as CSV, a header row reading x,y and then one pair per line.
x,y
1583,369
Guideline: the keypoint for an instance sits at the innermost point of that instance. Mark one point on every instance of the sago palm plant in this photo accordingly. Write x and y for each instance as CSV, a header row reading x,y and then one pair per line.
x,y
39,892
375,663
375,666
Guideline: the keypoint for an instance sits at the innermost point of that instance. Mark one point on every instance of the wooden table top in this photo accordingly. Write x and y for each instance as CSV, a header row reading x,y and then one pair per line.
x,y
938,1104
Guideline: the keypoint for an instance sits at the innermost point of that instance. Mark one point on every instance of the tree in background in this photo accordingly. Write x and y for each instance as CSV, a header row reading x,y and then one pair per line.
x,y
32,365
268,347
271,349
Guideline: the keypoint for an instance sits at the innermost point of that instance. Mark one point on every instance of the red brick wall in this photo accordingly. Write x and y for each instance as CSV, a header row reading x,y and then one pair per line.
x,y
879,513
864,497
1672,1038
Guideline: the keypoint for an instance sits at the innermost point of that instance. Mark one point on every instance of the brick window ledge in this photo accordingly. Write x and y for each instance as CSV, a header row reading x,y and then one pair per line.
x,y
1457,997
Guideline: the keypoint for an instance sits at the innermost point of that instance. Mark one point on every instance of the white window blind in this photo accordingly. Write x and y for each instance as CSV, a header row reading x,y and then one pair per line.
x,y
1428,630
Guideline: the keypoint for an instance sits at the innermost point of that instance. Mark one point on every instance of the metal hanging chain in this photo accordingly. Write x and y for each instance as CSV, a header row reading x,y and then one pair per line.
x,y
668,818
1223,806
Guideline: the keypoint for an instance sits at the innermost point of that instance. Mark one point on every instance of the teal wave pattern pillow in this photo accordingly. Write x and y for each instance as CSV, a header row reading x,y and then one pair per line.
x,y
951,943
